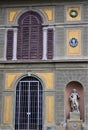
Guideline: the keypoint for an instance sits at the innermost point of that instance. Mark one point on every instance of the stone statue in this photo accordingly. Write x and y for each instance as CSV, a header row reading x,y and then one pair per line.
x,y
74,97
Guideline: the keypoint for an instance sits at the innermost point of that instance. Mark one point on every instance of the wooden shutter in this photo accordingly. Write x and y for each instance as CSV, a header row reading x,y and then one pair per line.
x,y
50,40
23,43
29,43
36,42
9,53
19,43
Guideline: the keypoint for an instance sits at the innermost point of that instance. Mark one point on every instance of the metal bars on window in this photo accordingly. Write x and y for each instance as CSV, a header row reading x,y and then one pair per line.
x,y
28,115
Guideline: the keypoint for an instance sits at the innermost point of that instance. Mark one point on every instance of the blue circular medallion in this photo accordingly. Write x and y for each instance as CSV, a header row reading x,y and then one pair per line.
x,y
75,126
73,42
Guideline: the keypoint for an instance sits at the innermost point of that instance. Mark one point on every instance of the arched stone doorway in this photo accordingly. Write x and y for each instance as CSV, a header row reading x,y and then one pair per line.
x,y
28,110
70,86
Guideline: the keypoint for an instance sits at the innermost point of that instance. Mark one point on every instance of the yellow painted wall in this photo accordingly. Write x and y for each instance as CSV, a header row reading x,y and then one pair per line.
x,y
49,13
49,109
71,124
10,78
73,33
12,13
48,79
78,9
7,109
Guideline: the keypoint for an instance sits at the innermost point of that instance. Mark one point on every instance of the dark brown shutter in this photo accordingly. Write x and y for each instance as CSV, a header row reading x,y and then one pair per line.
x,y
29,41
50,40
23,43
19,44
9,53
36,42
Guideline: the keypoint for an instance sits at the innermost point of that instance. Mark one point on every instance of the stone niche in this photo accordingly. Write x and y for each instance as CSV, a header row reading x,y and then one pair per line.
x,y
70,86
74,106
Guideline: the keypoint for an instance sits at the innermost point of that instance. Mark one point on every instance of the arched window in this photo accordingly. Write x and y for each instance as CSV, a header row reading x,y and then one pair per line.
x,y
28,112
29,41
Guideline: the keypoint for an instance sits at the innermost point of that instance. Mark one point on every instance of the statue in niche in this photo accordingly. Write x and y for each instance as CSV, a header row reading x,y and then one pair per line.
x,y
74,97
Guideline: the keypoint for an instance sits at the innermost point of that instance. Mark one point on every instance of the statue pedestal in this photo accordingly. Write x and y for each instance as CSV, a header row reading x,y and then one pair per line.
x,y
74,123
74,116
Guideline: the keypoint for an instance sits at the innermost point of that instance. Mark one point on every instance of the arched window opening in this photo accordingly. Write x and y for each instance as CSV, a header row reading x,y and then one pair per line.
x,y
30,36
30,40
28,112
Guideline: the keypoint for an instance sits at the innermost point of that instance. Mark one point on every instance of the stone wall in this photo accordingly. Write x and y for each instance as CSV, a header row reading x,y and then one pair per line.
x,y
58,72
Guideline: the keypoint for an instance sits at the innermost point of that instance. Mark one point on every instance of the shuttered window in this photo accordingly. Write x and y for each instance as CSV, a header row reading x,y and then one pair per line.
x,y
29,41
30,38
9,53
50,40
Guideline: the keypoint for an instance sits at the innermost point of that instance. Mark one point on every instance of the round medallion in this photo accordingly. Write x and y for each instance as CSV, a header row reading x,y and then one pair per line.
x,y
75,126
73,42
73,13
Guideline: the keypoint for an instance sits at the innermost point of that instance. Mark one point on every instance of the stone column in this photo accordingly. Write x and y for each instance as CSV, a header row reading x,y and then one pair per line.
x,y
44,43
15,44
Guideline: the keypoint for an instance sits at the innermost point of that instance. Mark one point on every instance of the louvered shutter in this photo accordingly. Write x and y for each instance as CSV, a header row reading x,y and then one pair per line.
x,y
29,43
19,44
50,40
36,42
9,53
25,42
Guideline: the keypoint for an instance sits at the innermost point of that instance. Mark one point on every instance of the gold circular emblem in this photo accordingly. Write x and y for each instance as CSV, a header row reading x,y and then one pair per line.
x,y
73,13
